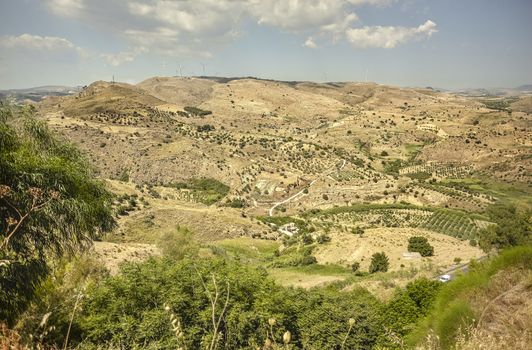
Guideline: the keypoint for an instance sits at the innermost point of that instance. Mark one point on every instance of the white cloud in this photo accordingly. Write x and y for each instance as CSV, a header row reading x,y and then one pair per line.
x,y
380,3
198,27
66,7
36,42
199,16
310,43
337,29
119,58
297,15
388,37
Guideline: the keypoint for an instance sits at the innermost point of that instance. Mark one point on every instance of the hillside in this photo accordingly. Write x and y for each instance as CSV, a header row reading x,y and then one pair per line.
x,y
290,148
489,308
278,195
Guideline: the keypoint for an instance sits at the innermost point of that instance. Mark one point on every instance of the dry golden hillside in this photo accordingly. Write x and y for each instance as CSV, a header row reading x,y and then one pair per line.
x,y
270,148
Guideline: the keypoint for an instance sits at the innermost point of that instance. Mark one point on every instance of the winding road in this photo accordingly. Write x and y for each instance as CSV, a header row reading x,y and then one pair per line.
x,y
463,268
300,193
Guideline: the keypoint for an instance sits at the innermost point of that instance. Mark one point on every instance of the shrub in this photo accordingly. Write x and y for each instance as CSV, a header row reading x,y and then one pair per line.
x,y
178,244
208,191
355,266
379,263
50,205
512,228
321,239
420,245
357,231
197,111
205,128
409,304
129,309
308,260
124,176
236,203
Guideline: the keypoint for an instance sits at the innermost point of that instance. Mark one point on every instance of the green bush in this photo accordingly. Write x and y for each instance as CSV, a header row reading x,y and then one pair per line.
x,y
124,176
236,203
178,244
421,245
513,228
293,257
128,309
195,111
205,128
379,263
209,191
455,319
50,205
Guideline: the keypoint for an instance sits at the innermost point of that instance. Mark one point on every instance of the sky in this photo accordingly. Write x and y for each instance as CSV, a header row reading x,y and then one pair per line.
x,y
449,44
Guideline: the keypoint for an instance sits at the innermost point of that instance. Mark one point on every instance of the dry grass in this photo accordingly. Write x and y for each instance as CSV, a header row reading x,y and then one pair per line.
x,y
505,322
10,339
114,254
345,248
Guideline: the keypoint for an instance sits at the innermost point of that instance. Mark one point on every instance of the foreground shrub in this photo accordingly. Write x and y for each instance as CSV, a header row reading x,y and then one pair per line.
x,y
454,310
129,309
50,206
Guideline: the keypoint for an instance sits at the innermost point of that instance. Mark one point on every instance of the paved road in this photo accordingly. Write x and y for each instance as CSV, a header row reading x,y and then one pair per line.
x,y
460,268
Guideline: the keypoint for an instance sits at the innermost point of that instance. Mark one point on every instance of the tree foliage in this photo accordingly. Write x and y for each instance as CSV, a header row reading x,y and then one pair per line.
x,y
421,245
379,263
128,309
50,205
408,305
512,228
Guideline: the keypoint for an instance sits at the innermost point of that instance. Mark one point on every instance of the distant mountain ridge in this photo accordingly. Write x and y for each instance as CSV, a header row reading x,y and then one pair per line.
x,y
38,93
485,92
526,87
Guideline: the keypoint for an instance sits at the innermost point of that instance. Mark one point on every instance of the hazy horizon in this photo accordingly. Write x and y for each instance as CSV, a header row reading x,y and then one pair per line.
x,y
262,78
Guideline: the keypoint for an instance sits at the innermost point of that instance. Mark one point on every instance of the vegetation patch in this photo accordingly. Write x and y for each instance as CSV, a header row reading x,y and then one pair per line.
x,y
502,104
453,310
451,222
207,191
197,112
420,245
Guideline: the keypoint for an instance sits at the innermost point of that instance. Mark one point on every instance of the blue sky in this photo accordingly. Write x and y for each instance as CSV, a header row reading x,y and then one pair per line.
x,y
440,43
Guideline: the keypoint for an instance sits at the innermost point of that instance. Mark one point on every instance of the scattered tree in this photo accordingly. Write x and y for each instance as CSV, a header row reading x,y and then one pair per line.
x,y
421,245
379,263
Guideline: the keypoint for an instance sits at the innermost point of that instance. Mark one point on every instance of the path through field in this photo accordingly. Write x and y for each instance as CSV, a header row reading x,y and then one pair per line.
x,y
300,193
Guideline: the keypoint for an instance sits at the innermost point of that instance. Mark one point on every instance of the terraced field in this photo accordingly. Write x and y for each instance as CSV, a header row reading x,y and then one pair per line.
x,y
449,222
